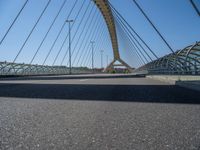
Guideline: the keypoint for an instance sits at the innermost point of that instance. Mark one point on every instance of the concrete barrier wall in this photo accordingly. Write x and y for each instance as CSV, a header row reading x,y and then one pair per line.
x,y
186,81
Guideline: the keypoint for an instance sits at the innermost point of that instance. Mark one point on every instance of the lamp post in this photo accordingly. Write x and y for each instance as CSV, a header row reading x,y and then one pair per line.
x,y
70,62
107,59
101,59
92,43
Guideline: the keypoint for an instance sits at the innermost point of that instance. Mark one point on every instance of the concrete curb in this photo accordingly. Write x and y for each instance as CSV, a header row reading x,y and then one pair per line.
x,y
194,85
190,82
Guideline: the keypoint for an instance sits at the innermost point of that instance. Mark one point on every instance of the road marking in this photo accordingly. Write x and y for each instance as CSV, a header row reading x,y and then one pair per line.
x,y
84,80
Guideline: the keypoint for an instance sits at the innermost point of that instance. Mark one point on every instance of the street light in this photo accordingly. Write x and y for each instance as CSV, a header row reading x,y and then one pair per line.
x,y
70,62
101,59
92,43
107,59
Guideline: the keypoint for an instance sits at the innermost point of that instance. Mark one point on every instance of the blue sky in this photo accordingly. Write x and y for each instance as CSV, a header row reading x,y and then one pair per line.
x,y
176,19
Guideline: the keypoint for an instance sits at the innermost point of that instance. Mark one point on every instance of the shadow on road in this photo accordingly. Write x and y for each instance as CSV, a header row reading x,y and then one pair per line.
x,y
65,77
130,93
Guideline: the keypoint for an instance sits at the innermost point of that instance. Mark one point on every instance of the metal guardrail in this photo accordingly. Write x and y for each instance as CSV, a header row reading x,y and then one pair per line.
x,y
185,61
7,69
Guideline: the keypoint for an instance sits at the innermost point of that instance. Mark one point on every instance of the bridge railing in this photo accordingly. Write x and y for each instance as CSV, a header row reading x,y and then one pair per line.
x,y
185,61
7,69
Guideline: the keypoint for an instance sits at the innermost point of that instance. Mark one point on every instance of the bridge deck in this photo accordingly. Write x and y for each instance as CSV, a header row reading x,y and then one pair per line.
x,y
112,113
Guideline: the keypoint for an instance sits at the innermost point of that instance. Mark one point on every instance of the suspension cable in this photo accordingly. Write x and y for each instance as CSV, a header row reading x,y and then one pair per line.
x,y
158,32
195,7
32,30
90,36
80,35
101,43
59,33
128,39
63,4
85,56
133,31
82,42
133,37
68,33
133,42
100,35
13,22
81,21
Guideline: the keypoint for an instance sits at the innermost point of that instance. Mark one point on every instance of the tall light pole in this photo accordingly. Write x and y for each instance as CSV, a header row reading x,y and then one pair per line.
x,y
70,56
107,59
101,59
92,43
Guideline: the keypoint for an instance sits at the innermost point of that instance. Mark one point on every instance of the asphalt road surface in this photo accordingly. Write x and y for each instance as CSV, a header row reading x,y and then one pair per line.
x,y
97,114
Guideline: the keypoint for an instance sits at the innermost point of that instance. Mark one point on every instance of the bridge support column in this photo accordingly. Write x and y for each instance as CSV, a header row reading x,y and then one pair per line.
x,y
122,63
106,11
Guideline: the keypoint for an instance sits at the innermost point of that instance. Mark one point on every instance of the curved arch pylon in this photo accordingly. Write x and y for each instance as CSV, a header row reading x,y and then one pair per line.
x,y
105,10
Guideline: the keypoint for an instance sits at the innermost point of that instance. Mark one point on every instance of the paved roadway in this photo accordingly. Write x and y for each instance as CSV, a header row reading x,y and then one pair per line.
x,y
97,113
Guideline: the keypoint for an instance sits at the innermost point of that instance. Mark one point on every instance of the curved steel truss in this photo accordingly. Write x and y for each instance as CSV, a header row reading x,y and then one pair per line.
x,y
7,68
185,61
